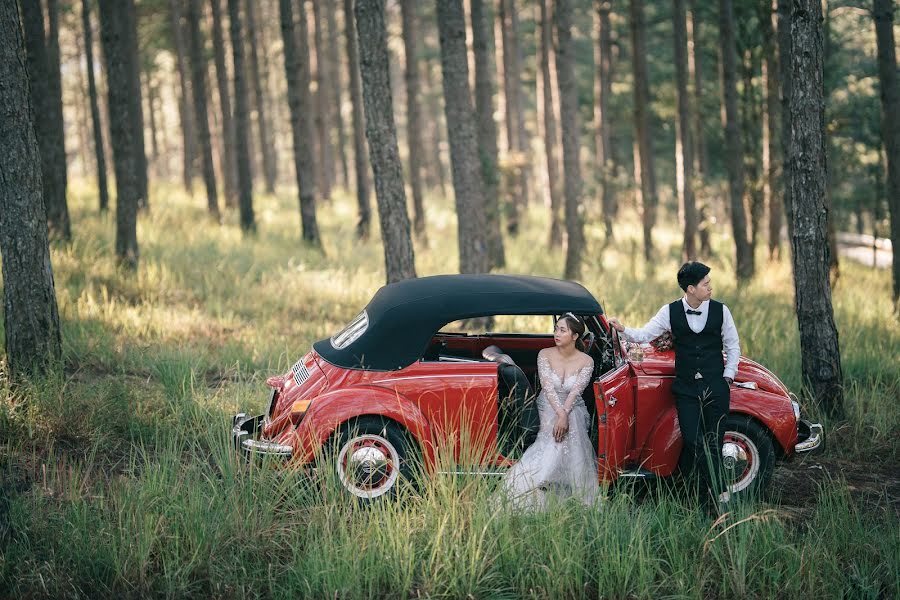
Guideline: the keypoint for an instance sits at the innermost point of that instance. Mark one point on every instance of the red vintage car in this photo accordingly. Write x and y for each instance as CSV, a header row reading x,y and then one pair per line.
x,y
398,385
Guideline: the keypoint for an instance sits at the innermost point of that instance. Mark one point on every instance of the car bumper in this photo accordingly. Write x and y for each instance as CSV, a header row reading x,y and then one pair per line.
x,y
244,432
810,436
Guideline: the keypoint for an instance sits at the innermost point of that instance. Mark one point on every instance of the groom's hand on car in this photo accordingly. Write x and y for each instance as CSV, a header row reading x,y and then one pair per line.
x,y
615,324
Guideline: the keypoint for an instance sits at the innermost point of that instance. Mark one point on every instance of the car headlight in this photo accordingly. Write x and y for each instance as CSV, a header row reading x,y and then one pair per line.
x,y
796,406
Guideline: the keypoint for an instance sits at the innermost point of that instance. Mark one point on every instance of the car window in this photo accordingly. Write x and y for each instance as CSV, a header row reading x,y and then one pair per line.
x,y
351,332
533,324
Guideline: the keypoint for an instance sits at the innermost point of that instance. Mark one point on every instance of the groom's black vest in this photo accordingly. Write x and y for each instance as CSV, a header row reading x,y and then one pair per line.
x,y
697,352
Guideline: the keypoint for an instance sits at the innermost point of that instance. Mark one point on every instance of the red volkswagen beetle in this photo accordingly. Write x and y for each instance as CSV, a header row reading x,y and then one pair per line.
x,y
401,384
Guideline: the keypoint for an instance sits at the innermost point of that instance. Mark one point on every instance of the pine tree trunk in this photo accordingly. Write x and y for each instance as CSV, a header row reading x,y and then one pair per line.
x,y
47,120
269,169
324,108
568,114
684,143
890,114
360,157
437,172
198,85
696,73
31,318
185,110
414,115
296,65
58,212
550,133
99,151
645,166
733,151
390,193
772,188
241,120
228,140
334,80
751,126
468,186
137,108
151,112
602,115
485,86
783,35
114,32
819,349
511,90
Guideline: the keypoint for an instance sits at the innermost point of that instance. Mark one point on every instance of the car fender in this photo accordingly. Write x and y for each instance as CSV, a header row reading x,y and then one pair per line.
x,y
329,411
772,411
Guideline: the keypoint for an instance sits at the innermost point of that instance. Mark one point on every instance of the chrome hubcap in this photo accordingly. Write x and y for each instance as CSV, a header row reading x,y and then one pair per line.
x,y
368,465
740,459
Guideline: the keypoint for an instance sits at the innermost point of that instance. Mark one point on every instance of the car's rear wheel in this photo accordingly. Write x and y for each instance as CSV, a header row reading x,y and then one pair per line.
x,y
748,456
372,458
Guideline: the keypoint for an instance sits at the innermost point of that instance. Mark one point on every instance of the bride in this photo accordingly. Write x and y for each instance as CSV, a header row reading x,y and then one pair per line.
x,y
561,461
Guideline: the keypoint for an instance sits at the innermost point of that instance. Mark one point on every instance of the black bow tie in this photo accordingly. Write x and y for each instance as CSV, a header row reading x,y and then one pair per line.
x,y
693,312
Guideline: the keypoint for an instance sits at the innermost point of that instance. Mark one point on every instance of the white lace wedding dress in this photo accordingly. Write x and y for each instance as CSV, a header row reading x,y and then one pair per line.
x,y
550,468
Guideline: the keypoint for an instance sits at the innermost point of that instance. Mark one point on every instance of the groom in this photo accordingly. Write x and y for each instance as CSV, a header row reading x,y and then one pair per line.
x,y
701,329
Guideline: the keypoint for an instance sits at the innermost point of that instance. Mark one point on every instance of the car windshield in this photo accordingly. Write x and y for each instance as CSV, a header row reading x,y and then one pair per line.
x,y
351,332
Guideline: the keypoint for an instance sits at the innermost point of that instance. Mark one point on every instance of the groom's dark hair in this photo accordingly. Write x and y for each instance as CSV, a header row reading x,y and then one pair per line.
x,y
691,273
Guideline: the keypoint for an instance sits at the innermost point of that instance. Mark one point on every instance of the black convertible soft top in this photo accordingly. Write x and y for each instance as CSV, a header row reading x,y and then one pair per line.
x,y
404,316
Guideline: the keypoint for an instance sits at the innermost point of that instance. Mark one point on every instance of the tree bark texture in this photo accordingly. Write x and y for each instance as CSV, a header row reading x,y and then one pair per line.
x,y
819,349
783,36
512,91
468,186
48,125
684,143
485,88
324,108
733,150
58,212
413,114
114,31
137,109
696,69
228,140
751,127
890,114
603,116
198,85
568,116
99,151
334,80
550,131
185,110
360,157
773,185
645,166
30,313
241,120
296,64
270,164
390,193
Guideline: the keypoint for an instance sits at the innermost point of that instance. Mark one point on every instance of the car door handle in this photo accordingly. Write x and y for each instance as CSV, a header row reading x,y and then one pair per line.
x,y
612,401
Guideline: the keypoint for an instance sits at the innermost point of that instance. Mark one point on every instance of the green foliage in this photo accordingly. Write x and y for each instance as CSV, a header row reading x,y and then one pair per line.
x,y
120,480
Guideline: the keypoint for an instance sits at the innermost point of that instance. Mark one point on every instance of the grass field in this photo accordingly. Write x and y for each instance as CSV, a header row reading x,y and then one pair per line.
x,y
118,479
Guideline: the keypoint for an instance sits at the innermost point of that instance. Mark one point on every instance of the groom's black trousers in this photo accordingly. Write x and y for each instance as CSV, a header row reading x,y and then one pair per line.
x,y
702,406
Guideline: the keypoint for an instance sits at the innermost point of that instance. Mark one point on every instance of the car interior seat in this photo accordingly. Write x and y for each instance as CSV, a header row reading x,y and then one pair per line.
x,y
518,420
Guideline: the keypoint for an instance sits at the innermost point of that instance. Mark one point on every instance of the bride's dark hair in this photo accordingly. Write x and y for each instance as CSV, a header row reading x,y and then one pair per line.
x,y
576,325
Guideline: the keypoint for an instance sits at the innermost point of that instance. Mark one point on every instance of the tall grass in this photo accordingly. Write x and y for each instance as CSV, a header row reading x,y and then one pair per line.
x,y
119,480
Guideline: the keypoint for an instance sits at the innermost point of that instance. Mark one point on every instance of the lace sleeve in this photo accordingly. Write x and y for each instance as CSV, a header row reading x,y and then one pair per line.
x,y
581,382
544,372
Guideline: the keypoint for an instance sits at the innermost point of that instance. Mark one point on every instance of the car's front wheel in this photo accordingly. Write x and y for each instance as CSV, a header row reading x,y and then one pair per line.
x,y
372,457
748,456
